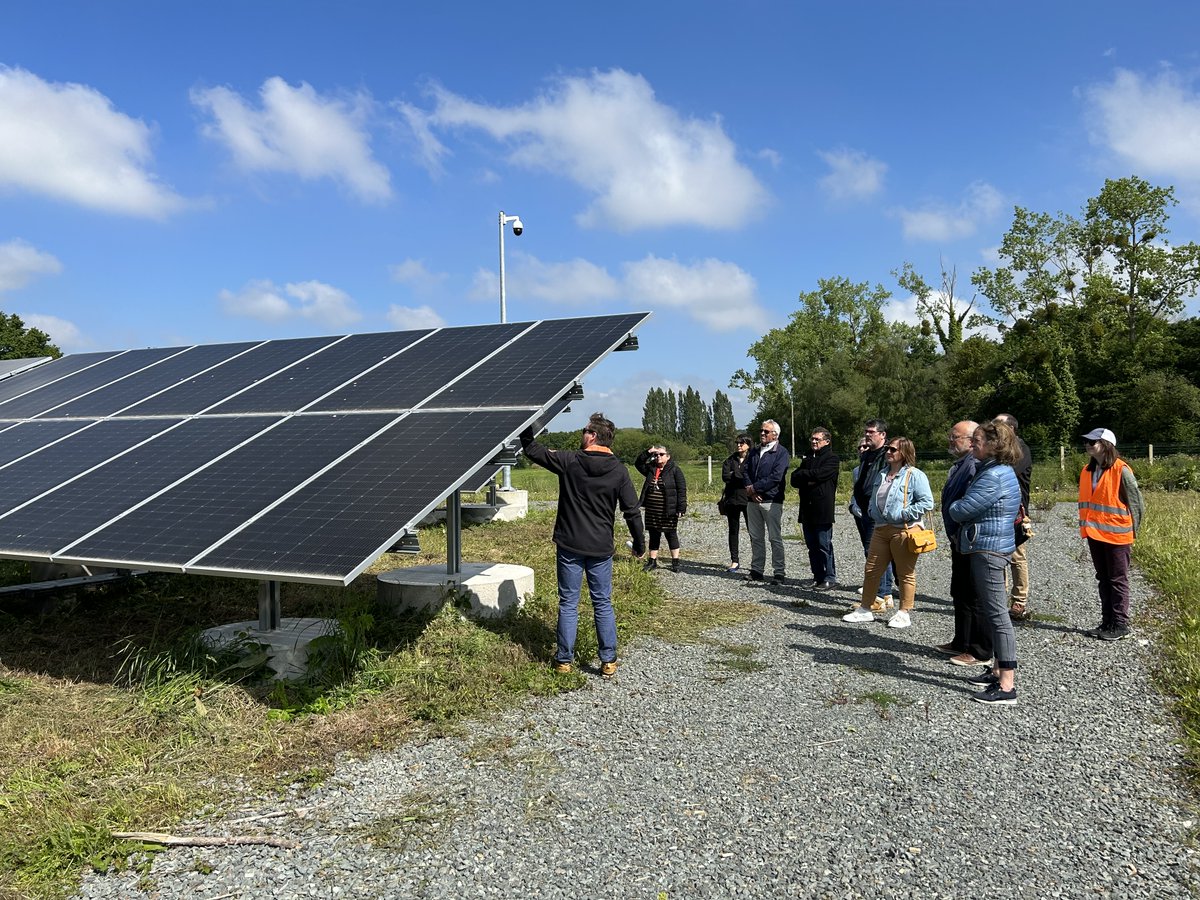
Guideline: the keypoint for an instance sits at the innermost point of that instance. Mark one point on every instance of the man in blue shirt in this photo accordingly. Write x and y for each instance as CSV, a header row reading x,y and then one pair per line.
x,y
765,473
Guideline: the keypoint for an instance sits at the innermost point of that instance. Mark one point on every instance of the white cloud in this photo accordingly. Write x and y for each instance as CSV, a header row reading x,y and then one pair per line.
x,y
429,149
570,283
21,262
647,165
720,295
774,157
66,335
298,131
939,222
263,300
416,275
852,174
1153,124
411,318
66,141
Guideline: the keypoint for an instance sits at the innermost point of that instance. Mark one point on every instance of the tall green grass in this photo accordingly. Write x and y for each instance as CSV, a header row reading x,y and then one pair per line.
x,y
1167,552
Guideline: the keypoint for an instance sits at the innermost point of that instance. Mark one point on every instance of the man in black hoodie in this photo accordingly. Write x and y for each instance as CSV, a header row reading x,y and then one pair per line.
x,y
870,462
592,482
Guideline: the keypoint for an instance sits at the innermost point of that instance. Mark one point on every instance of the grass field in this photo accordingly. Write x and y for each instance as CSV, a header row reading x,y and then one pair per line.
x,y
112,718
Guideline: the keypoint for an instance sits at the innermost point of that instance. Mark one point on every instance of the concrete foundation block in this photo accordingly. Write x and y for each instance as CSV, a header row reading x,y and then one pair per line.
x,y
286,646
510,505
492,588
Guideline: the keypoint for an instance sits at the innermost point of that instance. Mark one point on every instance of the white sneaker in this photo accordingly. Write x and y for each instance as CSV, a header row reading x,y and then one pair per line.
x,y
858,590
900,620
859,614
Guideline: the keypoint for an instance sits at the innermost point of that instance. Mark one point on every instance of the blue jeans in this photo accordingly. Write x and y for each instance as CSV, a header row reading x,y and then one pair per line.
x,y
571,569
819,540
866,527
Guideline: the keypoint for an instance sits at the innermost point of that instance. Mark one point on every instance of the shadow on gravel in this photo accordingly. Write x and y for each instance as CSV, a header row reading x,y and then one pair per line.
x,y
867,649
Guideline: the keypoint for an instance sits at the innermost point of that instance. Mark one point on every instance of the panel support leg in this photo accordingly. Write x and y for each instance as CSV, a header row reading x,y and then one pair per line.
x,y
454,533
269,606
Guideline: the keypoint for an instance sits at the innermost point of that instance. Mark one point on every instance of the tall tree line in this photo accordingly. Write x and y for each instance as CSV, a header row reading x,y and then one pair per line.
x,y
686,417
1080,328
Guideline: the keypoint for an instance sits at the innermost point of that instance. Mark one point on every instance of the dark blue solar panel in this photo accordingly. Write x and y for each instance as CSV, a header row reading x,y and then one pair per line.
x,y
203,391
304,383
541,362
349,514
63,516
17,440
85,448
128,391
420,370
175,527
46,373
82,382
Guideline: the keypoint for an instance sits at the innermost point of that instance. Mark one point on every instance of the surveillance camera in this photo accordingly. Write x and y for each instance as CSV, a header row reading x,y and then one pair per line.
x,y
517,226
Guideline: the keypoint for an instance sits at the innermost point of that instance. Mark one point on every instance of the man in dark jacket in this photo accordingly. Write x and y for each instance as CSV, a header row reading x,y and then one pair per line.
x,y
870,461
816,479
765,476
972,641
1020,559
592,482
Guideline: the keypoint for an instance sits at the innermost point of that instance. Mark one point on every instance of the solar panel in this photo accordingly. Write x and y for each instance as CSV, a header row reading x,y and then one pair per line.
x,y
296,460
13,366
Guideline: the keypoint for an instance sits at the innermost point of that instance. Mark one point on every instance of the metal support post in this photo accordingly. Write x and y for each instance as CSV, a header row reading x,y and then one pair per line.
x,y
269,606
454,533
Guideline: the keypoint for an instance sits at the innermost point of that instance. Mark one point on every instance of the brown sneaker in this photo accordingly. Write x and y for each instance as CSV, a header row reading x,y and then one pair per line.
x,y
561,668
608,669
883,604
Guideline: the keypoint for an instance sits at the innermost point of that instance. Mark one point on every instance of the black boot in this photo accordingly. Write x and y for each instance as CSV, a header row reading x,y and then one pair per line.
x,y
651,565
674,564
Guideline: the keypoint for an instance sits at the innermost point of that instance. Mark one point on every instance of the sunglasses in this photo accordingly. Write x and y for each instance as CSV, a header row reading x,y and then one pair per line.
x,y
891,450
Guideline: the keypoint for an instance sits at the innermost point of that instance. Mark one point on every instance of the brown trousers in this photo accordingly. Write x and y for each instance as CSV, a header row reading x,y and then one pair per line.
x,y
888,545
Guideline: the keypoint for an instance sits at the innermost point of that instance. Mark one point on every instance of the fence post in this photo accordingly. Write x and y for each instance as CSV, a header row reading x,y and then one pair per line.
x,y
1062,458
1151,451
710,470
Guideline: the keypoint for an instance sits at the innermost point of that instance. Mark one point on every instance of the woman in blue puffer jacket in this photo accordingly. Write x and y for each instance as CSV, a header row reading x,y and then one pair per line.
x,y
987,512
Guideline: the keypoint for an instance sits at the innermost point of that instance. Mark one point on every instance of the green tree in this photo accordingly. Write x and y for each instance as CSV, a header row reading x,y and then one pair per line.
x,y
941,311
724,428
692,430
20,342
820,363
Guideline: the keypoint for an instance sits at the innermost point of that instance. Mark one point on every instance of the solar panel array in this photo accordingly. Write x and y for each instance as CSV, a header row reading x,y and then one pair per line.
x,y
296,460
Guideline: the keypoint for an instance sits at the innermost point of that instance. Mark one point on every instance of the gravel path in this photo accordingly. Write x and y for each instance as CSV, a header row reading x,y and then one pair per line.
x,y
794,756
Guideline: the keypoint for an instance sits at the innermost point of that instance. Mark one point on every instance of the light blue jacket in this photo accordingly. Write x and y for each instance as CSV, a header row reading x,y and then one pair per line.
x,y
920,498
988,510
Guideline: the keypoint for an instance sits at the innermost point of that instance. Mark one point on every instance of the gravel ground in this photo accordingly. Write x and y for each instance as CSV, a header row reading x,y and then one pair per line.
x,y
794,756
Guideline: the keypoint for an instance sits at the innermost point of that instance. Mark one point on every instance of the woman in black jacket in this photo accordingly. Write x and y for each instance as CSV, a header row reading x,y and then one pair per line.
x,y
733,498
664,497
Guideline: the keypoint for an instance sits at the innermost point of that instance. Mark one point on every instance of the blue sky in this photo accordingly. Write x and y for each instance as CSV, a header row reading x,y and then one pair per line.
x,y
194,173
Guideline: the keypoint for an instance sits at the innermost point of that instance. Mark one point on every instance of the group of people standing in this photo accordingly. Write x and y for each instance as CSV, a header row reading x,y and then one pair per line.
x,y
984,507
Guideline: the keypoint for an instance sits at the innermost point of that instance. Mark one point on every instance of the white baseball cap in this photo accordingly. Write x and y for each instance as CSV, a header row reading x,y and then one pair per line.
x,y
1101,434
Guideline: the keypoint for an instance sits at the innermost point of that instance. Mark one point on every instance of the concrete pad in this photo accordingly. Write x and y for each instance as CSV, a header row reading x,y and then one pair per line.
x,y
491,588
510,505
286,646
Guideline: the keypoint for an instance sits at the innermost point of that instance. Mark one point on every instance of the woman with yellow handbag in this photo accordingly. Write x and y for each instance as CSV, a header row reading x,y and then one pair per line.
x,y
986,513
899,499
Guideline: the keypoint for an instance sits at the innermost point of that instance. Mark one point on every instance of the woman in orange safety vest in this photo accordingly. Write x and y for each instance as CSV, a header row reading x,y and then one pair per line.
x,y
1110,513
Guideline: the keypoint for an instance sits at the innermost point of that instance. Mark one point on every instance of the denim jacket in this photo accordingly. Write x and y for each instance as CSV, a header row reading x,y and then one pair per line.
x,y
988,510
919,497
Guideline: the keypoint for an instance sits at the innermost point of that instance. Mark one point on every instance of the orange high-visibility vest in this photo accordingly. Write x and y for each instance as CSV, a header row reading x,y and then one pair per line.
x,y
1102,515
